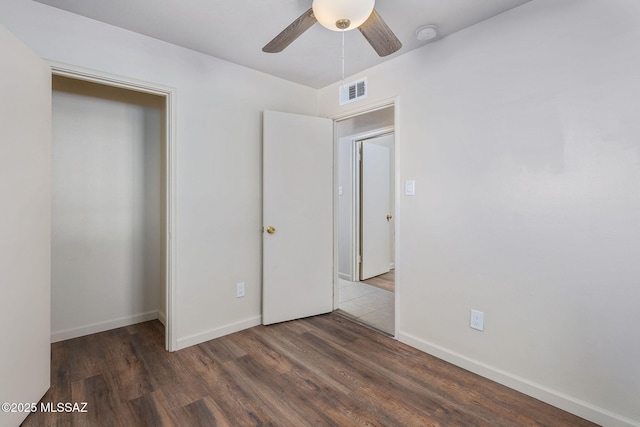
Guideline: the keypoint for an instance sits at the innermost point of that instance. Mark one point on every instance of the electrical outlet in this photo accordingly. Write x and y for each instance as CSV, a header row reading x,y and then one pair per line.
x,y
477,320
240,289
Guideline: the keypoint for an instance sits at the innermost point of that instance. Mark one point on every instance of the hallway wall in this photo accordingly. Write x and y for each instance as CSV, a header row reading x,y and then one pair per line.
x,y
346,131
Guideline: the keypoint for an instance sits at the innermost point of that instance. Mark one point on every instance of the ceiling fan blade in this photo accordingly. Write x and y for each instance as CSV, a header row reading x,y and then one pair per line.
x,y
292,32
379,35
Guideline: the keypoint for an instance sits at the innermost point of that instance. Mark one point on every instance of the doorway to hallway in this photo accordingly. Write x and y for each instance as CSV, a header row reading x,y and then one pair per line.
x,y
366,223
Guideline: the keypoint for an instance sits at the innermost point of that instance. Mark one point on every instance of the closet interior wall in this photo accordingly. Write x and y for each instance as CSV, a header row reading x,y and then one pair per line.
x,y
108,208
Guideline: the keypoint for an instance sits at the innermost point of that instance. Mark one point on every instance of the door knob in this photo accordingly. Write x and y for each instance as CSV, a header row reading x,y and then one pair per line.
x,y
271,229
389,217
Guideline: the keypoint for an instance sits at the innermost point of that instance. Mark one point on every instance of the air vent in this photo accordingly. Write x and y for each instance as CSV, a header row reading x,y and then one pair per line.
x,y
353,91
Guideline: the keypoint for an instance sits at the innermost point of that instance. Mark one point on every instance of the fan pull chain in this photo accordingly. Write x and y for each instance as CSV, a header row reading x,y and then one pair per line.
x,y
343,56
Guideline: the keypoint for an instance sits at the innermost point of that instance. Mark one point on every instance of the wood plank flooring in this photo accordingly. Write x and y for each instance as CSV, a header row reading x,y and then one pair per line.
x,y
384,281
320,371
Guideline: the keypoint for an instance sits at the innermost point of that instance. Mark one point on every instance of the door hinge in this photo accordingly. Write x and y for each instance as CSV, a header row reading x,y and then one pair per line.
x,y
360,259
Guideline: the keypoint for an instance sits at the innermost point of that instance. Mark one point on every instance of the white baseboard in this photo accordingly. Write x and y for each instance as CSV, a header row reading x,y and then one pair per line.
x,y
218,332
560,400
345,276
162,317
93,328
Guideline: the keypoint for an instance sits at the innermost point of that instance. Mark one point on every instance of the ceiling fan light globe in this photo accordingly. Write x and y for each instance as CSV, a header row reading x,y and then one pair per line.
x,y
329,12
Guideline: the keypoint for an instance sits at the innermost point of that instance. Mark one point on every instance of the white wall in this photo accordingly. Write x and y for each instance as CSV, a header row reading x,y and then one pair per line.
x,y
25,226
218,121
523,137
106,205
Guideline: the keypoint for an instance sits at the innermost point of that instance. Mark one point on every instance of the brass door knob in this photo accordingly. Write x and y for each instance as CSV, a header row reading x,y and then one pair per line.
x,y
389,217
271,229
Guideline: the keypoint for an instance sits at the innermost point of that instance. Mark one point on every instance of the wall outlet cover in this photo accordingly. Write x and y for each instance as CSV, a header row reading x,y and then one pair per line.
x,y
240,289
477,320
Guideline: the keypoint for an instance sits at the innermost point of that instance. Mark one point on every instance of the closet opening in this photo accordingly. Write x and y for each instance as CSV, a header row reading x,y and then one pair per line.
x,y
111,208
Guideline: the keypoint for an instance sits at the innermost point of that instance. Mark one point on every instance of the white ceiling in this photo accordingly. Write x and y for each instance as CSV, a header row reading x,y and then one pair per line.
x,y
236,30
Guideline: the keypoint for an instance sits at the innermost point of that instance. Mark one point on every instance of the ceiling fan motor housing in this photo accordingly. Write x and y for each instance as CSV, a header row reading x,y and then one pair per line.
x,y
339,15
343,23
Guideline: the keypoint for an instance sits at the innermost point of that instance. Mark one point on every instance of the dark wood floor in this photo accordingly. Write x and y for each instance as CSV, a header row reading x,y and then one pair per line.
x,y
322,371
384,281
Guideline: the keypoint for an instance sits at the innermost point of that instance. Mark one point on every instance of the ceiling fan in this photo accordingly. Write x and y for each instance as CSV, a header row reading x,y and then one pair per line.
x,y
341,15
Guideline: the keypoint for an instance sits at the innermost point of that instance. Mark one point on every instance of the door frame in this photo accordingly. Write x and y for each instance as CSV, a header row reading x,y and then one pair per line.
x,y
169,94
345,115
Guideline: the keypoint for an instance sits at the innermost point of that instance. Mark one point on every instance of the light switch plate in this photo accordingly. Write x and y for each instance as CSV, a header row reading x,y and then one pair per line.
x,y
410,187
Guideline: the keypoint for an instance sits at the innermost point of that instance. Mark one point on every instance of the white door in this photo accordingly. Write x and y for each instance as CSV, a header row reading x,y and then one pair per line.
x,y
298,206
375,207
25,226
